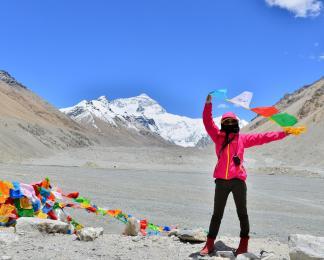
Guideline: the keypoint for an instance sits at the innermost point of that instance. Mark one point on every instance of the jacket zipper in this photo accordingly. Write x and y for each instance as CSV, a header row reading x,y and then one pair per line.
x,y
228,160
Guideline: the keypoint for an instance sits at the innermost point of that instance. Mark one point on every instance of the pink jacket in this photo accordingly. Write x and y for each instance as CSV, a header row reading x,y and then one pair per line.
x,y
225,168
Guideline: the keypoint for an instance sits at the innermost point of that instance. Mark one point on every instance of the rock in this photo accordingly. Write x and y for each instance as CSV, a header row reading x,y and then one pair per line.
x,y
195,235
131,228
225,254
270,257
305,247
136,239
89,233
32,225
247,256
6,257
173,232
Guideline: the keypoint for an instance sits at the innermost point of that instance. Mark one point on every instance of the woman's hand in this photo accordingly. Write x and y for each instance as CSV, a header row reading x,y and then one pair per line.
x,y
287,132
295,130
208,99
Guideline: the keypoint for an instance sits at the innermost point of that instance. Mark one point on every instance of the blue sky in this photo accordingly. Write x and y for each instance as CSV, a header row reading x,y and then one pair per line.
x,y
176,51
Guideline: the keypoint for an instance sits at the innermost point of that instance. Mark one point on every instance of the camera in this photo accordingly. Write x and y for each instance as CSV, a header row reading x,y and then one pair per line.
x,y
237,160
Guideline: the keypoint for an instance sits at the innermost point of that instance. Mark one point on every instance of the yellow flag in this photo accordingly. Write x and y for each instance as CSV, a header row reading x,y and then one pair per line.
x,y
295,130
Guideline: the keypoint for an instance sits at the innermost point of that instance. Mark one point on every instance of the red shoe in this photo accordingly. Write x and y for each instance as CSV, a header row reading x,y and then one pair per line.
x,y
243,247
208,248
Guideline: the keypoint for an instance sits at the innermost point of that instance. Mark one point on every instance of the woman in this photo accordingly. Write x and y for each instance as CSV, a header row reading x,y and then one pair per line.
x,y
229,172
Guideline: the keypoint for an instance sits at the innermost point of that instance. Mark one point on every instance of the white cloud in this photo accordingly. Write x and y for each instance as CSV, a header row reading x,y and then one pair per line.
x,y
301,8
222,106
321,57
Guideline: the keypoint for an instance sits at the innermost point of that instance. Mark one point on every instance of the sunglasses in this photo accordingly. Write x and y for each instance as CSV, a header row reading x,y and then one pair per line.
x,y
229,121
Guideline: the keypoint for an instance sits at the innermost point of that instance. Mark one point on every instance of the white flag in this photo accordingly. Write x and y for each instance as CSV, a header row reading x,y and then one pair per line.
x,y
243,100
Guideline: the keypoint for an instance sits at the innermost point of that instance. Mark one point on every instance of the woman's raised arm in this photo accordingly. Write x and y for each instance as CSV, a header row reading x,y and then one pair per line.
x,y
209,123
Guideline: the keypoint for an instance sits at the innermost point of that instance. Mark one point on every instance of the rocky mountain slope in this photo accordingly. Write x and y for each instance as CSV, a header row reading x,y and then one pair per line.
x,y
31,127
140,113
307,150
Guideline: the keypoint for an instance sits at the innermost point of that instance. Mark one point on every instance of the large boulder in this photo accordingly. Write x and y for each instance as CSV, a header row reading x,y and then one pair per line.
x,y
32,225
305,247
131,227
89,233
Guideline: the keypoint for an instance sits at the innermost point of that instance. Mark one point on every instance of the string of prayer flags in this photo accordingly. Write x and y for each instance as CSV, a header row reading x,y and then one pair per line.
x,y
272,113
41,200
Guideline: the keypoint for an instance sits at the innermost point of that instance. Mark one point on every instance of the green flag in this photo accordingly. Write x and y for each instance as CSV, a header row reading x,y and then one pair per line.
x,y
284,119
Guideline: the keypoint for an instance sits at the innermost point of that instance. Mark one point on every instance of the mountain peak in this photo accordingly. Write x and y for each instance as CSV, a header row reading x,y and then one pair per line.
x,y
7,78
102,98
143,95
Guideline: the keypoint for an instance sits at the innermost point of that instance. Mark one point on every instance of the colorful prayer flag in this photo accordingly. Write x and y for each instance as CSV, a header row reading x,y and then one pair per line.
x,y
219,93
243,100
25,203
4,192
284,119
295,130
265,111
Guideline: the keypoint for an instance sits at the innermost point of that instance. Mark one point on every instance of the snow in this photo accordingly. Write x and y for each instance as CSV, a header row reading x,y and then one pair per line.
x,y
142,112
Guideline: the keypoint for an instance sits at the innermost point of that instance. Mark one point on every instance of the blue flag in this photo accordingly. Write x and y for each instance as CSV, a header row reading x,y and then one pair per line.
x,y
219,93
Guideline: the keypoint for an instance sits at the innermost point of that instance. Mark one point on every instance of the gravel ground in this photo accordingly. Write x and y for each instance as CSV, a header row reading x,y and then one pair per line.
x,y
121,247
278,205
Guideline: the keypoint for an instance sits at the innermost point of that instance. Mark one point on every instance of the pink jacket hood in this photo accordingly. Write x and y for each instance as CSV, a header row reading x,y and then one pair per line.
x,y
229,115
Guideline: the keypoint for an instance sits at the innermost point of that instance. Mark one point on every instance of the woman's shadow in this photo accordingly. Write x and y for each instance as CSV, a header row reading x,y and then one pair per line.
x,y
219,246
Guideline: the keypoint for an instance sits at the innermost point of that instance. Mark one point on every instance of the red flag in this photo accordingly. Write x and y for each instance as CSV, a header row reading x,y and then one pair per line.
x,y
91,209
143,226
52,215
265,111
72,195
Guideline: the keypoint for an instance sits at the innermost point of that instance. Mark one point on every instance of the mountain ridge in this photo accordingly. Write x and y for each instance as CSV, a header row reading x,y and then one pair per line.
x,y
32,127
142,112
10,80
306,150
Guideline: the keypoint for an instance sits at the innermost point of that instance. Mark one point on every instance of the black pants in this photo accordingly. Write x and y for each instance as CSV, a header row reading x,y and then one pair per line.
x,y
222,190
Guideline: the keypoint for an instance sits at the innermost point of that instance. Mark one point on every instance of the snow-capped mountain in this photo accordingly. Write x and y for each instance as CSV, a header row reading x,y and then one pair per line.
x,y
141,113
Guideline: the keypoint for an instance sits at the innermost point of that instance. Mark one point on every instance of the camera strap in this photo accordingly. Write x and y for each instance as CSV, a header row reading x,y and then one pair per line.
x,y
226,142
